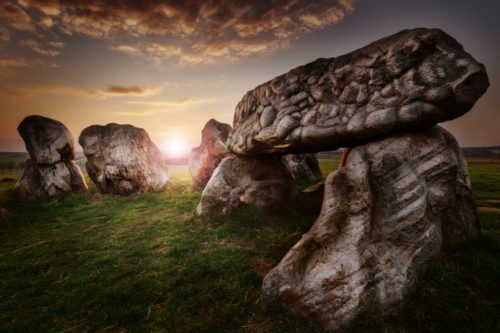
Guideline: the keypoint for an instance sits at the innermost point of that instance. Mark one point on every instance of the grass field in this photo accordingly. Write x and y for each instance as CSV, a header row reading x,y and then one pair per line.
x,y
145,263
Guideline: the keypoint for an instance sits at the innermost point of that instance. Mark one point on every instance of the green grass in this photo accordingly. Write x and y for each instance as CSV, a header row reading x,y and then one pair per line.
x,y
145,263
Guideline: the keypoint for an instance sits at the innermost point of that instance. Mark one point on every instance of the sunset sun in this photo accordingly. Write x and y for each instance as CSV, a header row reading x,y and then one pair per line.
x,y
176,147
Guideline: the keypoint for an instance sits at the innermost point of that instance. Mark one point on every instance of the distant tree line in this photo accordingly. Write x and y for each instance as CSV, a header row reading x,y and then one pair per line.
x,y
11,165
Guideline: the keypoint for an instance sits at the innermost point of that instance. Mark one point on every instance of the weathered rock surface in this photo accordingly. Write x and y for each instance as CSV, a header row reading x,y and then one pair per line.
x,y
410,80
122,159
51,168
303,166
396,203
238,181
205,158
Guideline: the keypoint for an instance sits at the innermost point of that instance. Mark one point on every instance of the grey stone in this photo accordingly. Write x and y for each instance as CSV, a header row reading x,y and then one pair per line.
x,y
395,204
261,182
423,73
302,166
122,159
204,159
51,168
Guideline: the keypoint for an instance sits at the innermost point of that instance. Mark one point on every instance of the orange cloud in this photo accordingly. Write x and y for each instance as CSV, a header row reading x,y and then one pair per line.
x,y
129,91
4,34
36,47
189,31
177,102
14,16
111,91
9,65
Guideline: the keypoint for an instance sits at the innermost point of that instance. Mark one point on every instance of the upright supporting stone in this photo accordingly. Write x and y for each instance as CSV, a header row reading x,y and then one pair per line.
x,y
394,205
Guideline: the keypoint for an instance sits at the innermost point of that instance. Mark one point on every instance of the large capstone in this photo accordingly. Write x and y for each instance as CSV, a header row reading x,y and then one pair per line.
x,y
261,182
51,168
122,159
205,158
395,204
407,81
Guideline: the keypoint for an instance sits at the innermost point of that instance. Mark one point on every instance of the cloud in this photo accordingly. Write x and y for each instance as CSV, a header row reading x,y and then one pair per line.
x,y
189,32
14,62
36,47
135,113
4,34
14,16
129,91
174,103
8,66
111,91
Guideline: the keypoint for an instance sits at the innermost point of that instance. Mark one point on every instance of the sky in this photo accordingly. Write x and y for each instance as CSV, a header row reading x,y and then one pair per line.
x,y
169,66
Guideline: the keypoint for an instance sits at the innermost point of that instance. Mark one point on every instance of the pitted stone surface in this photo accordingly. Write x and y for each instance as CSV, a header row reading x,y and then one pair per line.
x,y
122,159
51,168
410,80
395,204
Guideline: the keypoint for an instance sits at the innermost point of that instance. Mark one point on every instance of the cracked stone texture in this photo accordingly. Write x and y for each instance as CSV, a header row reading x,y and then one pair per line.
x,y
51,168
407,81
398,202
122,159
204,159
261,181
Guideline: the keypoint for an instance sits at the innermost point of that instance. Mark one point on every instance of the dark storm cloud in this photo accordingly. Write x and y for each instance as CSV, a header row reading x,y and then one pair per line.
x,y
191,31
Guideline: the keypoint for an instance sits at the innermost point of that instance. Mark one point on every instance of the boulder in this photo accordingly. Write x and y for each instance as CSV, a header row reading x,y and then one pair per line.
x,y
395,204
261,182
205,158
303,166
408,81
122,159
51,168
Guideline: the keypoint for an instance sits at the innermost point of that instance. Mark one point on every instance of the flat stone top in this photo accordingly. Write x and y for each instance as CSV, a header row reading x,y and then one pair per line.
x,y
408,81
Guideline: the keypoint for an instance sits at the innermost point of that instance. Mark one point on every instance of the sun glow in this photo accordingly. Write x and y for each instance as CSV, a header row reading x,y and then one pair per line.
x,y
176,147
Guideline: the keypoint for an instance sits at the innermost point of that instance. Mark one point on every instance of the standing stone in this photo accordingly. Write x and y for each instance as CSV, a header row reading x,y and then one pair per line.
x,y
205,158
261,182
122,159
51,168
303,166
396,203
411,80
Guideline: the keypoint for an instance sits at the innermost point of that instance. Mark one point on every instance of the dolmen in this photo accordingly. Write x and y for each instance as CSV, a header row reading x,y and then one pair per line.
x,y
51,168
122,159
403,194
